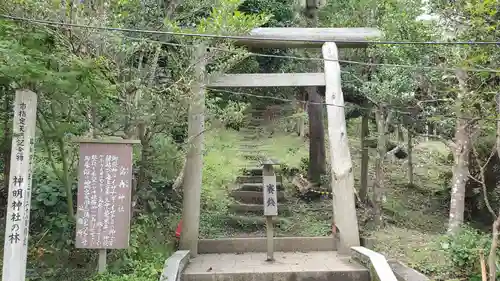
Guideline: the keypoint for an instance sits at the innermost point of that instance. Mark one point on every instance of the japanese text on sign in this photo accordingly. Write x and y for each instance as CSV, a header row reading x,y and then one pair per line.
x,y
19,195
270,196
103,216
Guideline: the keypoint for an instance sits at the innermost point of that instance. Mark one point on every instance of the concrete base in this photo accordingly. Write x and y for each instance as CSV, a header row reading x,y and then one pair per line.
x,y
406,273
174,266
258,244
294,266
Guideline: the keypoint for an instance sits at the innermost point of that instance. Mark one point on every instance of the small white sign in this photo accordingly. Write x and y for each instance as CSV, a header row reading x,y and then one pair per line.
x,y
18,208
270,196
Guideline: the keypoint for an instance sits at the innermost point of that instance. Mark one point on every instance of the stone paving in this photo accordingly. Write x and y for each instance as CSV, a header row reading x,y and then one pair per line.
x,y
289,266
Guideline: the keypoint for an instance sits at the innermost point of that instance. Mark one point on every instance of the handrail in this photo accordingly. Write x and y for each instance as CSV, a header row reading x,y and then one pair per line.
x,y
376,262
174,266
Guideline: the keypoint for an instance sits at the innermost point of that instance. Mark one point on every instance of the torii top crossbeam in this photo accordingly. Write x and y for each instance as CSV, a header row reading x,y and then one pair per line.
x,y
291,37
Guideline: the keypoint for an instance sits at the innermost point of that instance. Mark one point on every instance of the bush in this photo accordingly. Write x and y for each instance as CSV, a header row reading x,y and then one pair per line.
x,y
463,250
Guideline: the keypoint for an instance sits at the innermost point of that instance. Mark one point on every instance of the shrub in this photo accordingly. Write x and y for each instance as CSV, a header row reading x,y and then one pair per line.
x,y
463,250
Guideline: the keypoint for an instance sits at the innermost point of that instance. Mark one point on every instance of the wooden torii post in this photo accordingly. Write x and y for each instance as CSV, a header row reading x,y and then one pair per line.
x,y
342,169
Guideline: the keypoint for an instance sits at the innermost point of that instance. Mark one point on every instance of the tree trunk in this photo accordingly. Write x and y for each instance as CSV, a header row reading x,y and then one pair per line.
x,y
143,178
427,132
300,120
6,146
365,157
461,148
316,136
459,180
497,97
179,180
317,157
378,188
492,257
400,134
301,126
410,158
194,159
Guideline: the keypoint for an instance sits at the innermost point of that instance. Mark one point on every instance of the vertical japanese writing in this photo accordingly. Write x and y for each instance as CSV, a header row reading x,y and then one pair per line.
x,y
17,205
18,181
270,192
19,194
21,132
104,194
110,199
27,198
19,211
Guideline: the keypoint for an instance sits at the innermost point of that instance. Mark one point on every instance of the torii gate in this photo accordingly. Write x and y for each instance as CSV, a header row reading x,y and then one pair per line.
x,y
340,157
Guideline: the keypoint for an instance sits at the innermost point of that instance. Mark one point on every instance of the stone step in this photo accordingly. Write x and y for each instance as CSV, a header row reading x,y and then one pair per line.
x,y
296,266
249,150
250,132
259,244
253,127
253,223
252,171
255,179
255,186
283,210
253,197
253,156
252,147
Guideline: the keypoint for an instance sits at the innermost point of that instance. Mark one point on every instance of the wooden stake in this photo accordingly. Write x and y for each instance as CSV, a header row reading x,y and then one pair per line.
x,y
410,157
270,200
365,157
194,159
19,194
342,171
102,261
270,238
484,273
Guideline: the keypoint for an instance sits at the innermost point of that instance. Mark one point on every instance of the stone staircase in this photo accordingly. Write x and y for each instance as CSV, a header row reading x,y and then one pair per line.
x,y
247,208
244,259
247,193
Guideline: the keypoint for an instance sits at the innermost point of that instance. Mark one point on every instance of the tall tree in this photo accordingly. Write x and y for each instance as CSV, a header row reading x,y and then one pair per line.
x,y
467,21
317,155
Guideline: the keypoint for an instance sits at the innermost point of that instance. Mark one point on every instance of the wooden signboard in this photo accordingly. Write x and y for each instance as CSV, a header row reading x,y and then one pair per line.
x,y
19,197
104,195
270,195
270,201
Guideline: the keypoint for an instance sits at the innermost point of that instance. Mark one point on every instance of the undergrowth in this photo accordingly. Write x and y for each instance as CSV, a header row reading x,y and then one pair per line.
x,y
414,234
416,217
52,254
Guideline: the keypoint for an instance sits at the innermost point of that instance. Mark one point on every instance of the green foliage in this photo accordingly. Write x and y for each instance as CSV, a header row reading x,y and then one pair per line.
x,y
128,85
282,11
221,166
463,250
227,112
109,84
464,247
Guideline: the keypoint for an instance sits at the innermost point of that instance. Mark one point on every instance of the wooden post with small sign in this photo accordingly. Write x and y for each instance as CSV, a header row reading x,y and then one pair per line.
x,y
270,200
20,177
104,196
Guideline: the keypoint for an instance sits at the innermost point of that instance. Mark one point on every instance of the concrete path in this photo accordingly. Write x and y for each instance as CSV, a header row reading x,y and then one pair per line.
x,y
289,266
